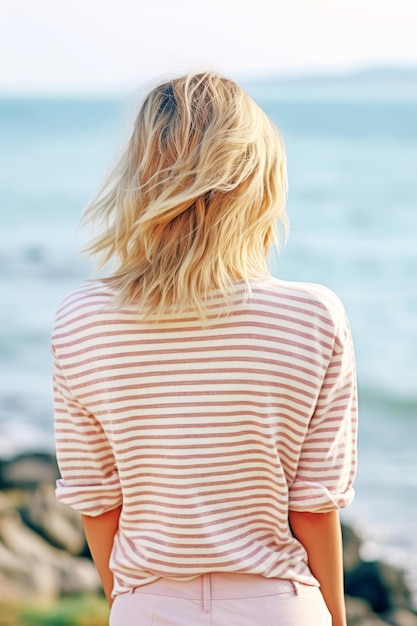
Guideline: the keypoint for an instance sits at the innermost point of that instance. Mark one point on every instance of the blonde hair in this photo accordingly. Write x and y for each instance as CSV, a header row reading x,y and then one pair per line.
x,y
193,204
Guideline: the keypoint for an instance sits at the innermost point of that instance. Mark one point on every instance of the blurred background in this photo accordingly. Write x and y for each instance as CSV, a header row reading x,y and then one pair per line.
x,y
340,82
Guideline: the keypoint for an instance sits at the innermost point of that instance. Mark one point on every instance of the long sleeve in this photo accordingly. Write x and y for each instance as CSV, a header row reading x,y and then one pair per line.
x,y
89,479
327,463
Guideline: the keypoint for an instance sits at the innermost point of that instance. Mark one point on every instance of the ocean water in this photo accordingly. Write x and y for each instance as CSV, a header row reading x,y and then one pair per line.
x,y
352,160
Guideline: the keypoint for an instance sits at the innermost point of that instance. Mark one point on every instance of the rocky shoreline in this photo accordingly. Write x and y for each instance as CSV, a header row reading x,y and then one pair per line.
x,y
44,557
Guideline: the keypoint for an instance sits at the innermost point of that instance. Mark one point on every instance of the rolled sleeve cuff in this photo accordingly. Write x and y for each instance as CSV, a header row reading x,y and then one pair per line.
x,y
317,498
92,499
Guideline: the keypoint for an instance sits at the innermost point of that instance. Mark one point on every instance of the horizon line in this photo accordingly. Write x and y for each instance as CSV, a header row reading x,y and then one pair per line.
x,y
301,75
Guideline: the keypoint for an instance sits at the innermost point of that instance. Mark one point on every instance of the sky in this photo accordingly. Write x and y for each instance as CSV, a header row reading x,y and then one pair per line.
x,y
109,46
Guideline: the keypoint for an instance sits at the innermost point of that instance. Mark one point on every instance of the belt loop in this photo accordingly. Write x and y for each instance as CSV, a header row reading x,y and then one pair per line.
x,y
206,593
295,587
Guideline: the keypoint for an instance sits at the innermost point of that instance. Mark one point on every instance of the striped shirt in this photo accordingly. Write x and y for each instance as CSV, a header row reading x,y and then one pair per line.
x,y
207,436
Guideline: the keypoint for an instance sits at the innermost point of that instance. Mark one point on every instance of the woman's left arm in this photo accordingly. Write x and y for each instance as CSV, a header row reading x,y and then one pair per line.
x,y
100,532
320,534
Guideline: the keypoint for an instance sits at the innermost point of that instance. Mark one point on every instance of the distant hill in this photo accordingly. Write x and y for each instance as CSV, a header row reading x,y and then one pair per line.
x,y
385,73
387,83
366,75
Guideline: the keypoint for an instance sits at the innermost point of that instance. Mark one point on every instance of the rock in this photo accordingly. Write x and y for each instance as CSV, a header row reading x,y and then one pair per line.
x,y
5,503
25,561
28,471
37,571
77,575
365,582
401,617
381,585
398,592
351,548
14,575
60,525
359,613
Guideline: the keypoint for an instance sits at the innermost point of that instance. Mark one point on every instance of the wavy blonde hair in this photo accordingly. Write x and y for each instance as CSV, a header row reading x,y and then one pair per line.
x,y
193,204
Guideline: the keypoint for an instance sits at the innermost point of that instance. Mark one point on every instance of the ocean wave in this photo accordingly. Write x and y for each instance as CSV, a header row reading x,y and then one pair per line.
x,y
389,401
37,260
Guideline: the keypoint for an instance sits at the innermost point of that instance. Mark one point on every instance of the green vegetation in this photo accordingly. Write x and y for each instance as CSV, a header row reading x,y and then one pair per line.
x,y
70,611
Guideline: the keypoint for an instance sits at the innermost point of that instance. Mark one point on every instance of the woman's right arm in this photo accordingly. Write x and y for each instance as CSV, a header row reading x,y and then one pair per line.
x,y
320,534
100,532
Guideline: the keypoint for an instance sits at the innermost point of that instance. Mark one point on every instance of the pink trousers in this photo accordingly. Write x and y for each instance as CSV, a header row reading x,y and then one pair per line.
x,y
221,600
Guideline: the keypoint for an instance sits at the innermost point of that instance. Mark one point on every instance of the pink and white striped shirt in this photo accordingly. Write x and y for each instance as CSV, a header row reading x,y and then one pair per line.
x,y
207,436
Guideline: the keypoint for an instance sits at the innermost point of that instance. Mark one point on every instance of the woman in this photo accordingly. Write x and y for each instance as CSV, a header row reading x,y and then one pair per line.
x,y
205,411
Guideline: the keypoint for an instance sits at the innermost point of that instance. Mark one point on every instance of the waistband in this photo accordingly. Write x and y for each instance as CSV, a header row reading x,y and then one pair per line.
x,y
219,586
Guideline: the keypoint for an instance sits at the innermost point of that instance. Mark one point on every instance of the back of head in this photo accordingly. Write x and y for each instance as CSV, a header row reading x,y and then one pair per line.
x,y
194,202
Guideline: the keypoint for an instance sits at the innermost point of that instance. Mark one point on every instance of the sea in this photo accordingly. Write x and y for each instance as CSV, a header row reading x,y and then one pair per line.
x,y
351,144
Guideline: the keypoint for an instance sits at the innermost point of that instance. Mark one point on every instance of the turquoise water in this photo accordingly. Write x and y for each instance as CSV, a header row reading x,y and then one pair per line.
x,y
353,207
